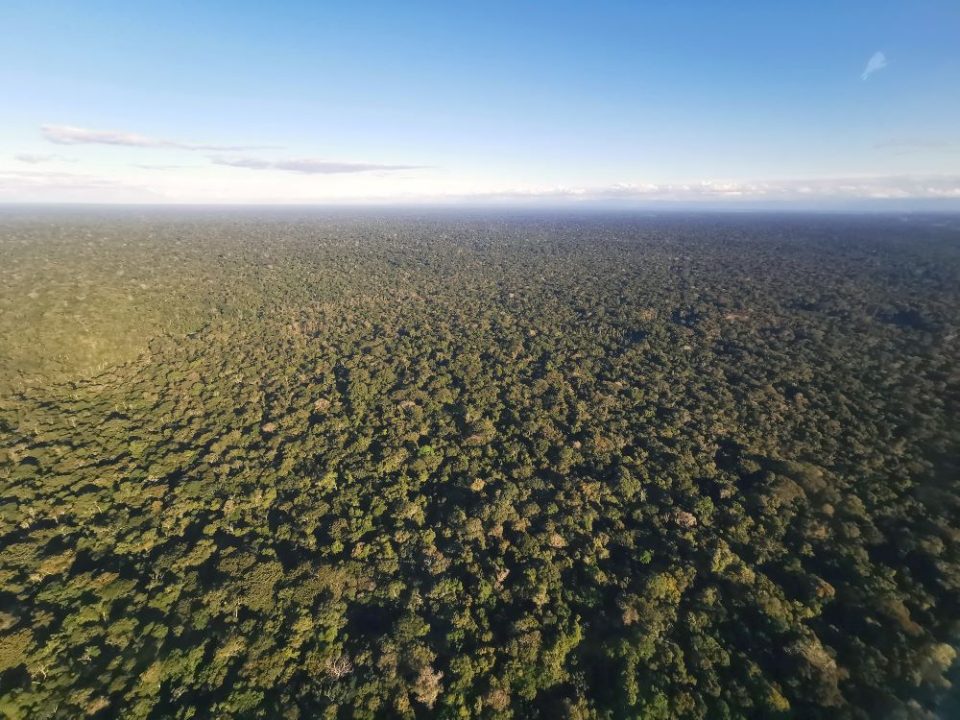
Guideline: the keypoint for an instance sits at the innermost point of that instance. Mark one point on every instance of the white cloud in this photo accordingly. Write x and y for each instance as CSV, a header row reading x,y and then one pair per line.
x,y
877,62
70,135
213,184
310,166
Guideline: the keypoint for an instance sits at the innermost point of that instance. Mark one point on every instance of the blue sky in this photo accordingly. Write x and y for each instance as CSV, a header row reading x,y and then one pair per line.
x,y
557,102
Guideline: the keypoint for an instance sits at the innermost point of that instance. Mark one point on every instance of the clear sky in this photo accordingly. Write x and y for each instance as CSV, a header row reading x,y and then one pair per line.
x,y
802,103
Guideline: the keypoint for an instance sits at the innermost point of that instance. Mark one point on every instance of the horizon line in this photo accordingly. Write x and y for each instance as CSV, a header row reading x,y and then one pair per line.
x,y
841,206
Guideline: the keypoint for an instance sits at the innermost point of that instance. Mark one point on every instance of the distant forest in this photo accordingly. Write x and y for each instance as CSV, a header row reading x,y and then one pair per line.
x,y
314,465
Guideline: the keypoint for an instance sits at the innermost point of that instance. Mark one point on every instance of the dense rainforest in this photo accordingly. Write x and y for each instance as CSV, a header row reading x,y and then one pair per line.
x,y
321,465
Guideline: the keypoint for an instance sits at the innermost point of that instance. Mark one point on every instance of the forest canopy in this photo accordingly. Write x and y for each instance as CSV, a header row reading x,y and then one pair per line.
x,y
302,465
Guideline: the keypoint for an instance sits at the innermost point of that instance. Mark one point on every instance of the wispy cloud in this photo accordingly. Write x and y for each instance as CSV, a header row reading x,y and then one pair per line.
x,y
36,159
907,144
876,63
70,135
309,166
150,166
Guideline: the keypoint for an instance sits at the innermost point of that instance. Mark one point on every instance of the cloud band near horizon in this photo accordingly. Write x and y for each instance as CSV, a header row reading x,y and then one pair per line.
x,y
894,187
39,186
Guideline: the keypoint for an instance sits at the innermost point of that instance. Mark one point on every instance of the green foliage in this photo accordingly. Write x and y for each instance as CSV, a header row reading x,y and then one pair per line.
x,y
527,468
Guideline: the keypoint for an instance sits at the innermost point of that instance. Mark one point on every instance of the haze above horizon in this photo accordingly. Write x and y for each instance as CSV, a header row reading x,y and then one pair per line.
x,y
571,104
